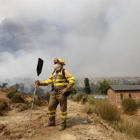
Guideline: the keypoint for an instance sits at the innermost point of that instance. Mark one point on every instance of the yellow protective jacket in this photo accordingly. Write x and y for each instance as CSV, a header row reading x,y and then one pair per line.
x,y
59,80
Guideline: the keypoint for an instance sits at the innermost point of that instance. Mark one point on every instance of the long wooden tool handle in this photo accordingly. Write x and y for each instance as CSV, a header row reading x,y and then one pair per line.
x,y
32,107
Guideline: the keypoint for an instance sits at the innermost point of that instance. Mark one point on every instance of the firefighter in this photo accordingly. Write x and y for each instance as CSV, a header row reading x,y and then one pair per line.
x,y
62,82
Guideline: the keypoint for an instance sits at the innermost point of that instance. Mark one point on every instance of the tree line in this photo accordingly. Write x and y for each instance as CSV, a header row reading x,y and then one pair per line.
x,y
88,88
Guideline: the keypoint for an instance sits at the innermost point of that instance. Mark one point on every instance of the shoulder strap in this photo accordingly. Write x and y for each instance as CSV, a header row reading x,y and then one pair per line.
x,y
63,72
53,72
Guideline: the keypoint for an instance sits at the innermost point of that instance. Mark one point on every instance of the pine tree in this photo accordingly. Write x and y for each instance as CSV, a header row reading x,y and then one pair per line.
x,y
92,88
87,88
103,87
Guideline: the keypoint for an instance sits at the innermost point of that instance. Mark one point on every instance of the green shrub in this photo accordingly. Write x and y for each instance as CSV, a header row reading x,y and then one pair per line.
x,y
129,106
107,111
3,106
17,98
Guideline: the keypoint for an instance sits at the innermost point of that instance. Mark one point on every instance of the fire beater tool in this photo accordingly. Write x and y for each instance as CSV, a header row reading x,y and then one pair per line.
x,y
38,69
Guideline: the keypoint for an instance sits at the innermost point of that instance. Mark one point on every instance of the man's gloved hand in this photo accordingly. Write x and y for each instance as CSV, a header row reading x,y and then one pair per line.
x,y
67,88
37,83
63,91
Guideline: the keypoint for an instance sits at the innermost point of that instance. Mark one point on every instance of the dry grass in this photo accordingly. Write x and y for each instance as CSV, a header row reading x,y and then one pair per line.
x,y
22,106
77,97
128,127
104,109
40,102
92,101
107,111
26,104
112,115
19,100
89,108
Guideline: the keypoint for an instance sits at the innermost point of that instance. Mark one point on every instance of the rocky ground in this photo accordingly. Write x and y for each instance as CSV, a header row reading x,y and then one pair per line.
x,y
80,126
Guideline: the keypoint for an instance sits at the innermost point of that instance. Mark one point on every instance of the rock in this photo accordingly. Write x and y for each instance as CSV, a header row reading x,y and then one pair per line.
x,y
30,134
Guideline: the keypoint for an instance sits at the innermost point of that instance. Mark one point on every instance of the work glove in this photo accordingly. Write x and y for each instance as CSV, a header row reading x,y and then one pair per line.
x,y
37,83
63,91
67,88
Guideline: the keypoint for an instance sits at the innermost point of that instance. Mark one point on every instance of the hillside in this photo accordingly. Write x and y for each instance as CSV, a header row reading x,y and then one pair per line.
x,y
80,126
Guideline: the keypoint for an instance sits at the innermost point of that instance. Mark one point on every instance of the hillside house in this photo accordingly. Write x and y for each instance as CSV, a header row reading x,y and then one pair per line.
x,y
116,93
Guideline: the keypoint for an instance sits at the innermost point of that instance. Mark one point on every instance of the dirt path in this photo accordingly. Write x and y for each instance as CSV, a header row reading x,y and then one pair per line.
x,y
80,126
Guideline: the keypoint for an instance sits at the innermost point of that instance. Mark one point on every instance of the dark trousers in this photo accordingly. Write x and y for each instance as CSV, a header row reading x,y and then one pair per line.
x,y
55,99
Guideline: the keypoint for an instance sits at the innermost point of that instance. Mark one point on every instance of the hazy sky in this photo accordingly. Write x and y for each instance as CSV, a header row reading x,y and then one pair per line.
x,y
94,37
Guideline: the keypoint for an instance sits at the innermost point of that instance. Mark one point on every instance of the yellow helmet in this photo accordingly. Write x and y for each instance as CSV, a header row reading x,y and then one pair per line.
x,y
60,60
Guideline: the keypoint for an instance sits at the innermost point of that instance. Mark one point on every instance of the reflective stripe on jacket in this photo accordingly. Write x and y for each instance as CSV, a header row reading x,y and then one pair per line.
x,y
60,81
